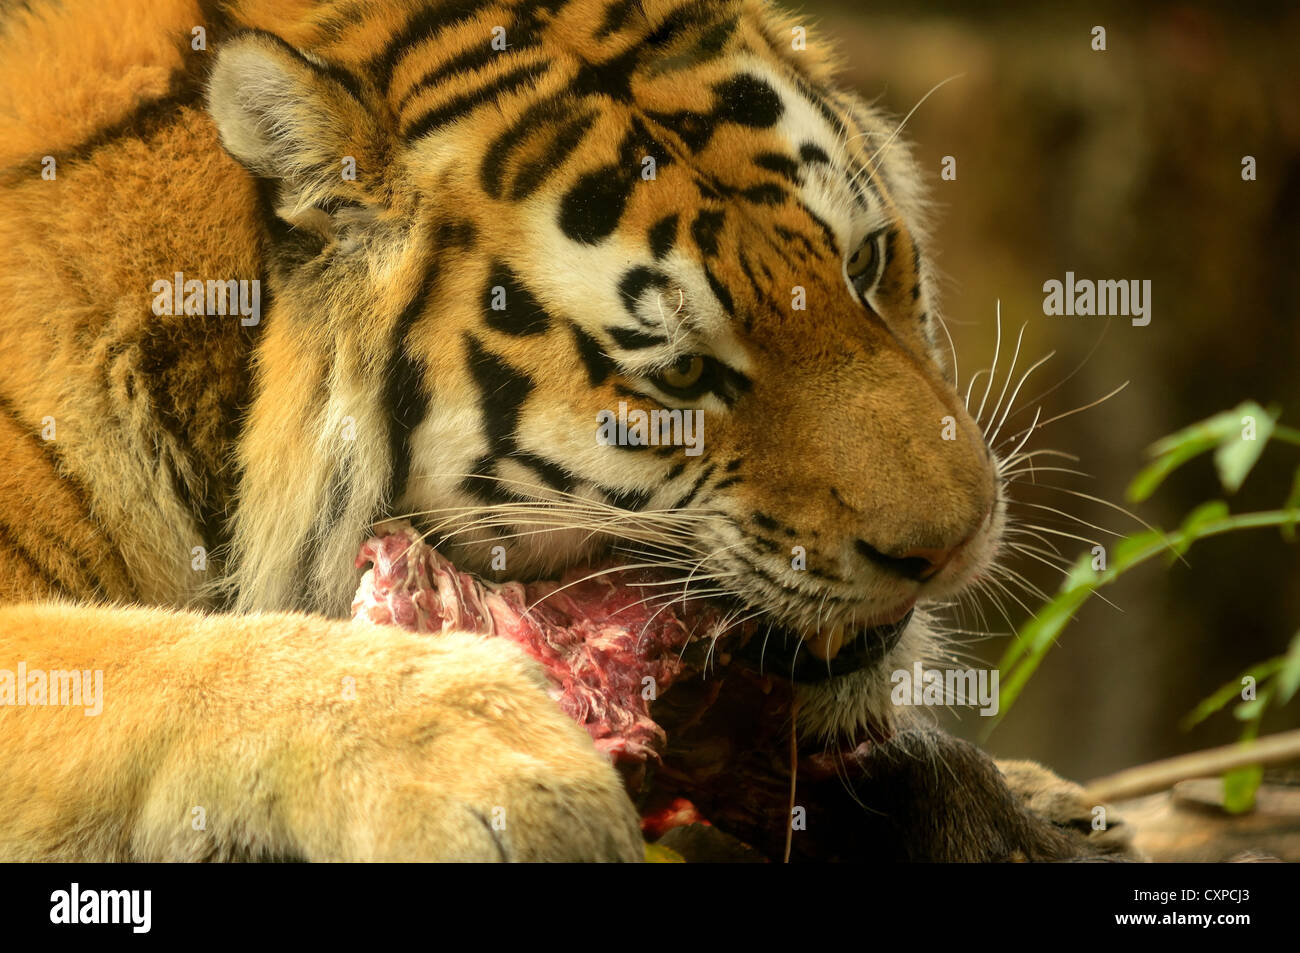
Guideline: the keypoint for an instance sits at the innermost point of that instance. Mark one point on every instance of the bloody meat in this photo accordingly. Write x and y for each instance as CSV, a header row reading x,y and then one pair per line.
x,y
611,640
612,644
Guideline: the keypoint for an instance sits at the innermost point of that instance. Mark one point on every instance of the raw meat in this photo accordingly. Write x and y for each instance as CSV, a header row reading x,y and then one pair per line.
x,y
716,747
609,645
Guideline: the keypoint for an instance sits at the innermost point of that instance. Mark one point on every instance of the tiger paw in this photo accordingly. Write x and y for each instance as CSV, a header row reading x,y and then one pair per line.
x,y
1099,831
459,754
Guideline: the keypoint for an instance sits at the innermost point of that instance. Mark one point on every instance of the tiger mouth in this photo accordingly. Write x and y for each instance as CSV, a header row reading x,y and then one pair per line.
x,y
764,644
783,652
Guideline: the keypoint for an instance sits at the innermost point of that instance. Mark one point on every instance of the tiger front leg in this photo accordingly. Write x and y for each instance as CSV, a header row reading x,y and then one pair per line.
x,y
293,737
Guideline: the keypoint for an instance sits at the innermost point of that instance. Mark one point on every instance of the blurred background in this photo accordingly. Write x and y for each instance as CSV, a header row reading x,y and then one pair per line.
x,y
1123,164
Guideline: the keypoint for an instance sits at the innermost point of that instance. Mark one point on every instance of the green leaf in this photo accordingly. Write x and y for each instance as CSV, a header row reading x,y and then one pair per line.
x,y
1252,710
1153,474
1229,692
1239,788
1236,456
1081,575
1233,456
1288,676
1033,641
1211,431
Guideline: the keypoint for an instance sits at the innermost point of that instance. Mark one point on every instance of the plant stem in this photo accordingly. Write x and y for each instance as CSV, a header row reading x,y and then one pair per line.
x,y
1158,775
1217,527
1286,434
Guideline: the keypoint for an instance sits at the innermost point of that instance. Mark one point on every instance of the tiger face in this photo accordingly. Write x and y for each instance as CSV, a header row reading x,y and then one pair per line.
x,y
649,213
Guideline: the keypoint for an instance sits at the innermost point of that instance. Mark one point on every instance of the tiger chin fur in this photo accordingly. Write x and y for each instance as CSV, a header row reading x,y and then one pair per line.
x,y
653,184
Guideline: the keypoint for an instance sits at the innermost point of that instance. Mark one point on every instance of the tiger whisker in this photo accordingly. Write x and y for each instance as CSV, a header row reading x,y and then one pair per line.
x,y
992,439
1070,413
1006,384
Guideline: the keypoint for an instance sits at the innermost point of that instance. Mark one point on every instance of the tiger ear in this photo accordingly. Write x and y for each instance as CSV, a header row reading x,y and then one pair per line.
x,y
299,123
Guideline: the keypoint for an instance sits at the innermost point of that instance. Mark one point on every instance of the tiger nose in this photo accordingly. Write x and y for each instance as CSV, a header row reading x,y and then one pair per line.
x,y
926,563
917,564
920,562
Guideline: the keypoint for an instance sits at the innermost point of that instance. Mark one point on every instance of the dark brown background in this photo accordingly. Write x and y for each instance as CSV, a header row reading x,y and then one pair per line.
x,y
1120,164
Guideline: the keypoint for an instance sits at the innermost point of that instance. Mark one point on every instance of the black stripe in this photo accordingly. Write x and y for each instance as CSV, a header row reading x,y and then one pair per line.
x,y
467,102
168,358
81,502
828,233
706,229
636,282
10,542
759,292
554,475
811,153
455,235
712,40
748,101
616,15
630,340
769,193
592,208
611,77
781,585
514,137
502,392
521,315
791,236
696,13
405,398
141,123
535,172
341,76
663,235
695,488
719,289
423,25
468,62
598,363
693,128
633,500
782,165
483,484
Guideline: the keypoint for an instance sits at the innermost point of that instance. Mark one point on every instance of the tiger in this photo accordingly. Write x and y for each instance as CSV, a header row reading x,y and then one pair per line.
x,y
446,235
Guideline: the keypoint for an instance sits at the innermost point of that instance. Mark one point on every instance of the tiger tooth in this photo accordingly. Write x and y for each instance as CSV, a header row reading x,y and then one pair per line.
x,y
826,644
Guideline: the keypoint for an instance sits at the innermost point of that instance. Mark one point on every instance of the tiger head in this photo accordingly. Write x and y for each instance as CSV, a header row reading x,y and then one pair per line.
x,y
559,278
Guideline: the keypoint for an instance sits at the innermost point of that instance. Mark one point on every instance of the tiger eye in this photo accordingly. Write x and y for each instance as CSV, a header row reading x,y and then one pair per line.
x,y
865,262
685,373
